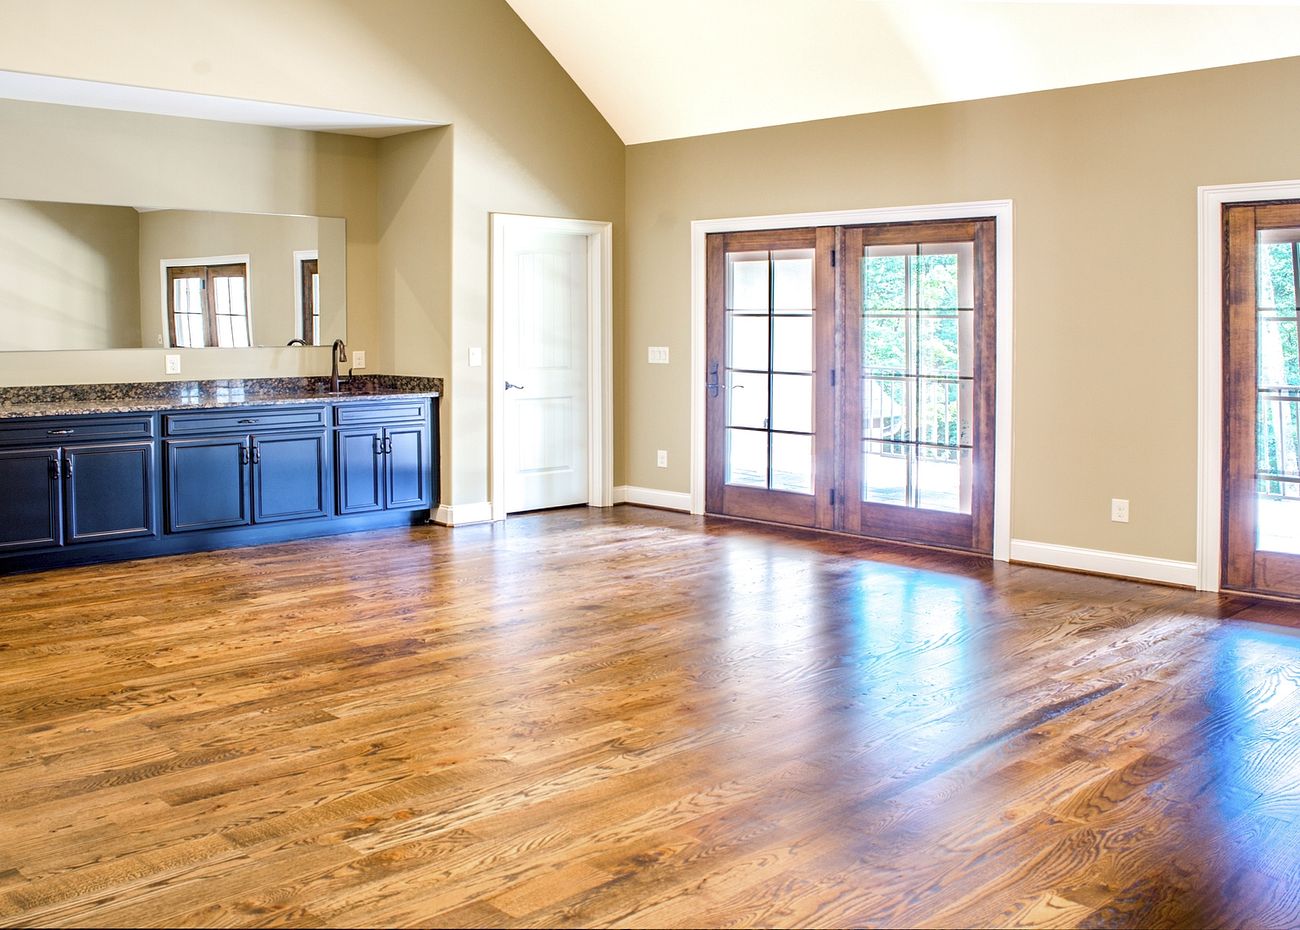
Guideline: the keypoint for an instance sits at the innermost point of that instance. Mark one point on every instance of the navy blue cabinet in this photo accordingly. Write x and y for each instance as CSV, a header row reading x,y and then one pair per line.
x,y
31,505
384,468
207,483
86,488
290,477
109,491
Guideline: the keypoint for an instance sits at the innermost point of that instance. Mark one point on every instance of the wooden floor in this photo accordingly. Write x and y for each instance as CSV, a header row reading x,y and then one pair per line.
x,y
637,718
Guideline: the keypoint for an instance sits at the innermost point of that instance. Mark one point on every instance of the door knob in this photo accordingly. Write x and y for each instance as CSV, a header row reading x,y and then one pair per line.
x,y
517,387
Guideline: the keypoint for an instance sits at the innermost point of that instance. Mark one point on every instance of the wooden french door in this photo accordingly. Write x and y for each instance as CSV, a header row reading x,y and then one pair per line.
x,y
1261,399
851,377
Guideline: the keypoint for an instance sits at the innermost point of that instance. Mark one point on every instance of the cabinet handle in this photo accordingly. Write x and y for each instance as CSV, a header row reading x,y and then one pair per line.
x,y
248,421
59,432
67,469
388,445
55,469
243,455
379,445
257,454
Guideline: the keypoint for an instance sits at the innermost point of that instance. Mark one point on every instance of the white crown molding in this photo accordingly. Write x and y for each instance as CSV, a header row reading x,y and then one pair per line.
x,y
101,95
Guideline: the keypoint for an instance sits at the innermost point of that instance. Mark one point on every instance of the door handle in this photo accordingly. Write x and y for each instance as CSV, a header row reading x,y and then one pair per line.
x,y
517,387
712,383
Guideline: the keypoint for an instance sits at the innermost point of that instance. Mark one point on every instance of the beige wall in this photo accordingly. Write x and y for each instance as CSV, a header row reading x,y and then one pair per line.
x,y
270,243
68,276
1104,183
524,140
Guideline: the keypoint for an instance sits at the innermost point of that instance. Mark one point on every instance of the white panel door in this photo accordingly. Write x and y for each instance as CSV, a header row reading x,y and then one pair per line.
x,y
545,369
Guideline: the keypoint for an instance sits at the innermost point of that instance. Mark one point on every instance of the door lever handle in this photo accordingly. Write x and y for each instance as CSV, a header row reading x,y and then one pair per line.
x,y
712,383
517,387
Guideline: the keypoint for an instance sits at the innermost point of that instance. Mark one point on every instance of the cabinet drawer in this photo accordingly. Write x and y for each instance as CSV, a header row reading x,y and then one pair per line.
x,y
403,411
227,421
75,429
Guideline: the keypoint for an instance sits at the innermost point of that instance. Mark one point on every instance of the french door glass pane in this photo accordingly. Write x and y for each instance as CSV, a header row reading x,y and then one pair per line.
x,y
918,322
1277,422
747,458
770,309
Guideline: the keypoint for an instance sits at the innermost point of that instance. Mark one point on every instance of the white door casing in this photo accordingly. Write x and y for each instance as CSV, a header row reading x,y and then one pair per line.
x,y
523,445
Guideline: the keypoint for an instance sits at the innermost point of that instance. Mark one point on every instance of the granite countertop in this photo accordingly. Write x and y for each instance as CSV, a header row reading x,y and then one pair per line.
x,y
148,397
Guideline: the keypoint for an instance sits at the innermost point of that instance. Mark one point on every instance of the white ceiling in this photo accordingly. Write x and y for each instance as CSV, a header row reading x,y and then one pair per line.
x,y
664,69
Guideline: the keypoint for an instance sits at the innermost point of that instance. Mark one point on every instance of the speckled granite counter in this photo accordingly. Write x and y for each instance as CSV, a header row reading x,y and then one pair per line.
x,y
143,397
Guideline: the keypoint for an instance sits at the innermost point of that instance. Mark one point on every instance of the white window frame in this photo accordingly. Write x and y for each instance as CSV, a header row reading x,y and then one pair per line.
x,y
1000,210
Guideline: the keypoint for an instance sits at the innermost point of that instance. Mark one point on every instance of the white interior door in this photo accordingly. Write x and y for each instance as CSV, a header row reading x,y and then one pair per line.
x,y
545,369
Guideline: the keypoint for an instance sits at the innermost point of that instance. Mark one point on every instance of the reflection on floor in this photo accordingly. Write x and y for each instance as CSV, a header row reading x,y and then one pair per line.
x,y
636,718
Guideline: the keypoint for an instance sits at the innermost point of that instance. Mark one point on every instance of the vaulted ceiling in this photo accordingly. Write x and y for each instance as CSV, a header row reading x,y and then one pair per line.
x,y
664,69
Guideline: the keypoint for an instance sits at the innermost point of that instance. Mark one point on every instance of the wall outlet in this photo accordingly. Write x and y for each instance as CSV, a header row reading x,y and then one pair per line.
x,y
657,355
661,458
475,357
1118,510
359,358
173,365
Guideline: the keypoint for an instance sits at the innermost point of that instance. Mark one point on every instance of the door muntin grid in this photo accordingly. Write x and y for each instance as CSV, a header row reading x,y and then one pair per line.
x,y
770,370
918,378
1277,387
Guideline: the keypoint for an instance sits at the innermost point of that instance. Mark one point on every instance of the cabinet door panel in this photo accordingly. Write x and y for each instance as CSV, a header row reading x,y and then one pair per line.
x,y
360,472
109,491
407,466
29,504
290,477
207,484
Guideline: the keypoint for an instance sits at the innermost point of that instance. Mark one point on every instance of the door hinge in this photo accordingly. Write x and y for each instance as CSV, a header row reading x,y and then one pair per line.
x,y
832,258
832,497
832,377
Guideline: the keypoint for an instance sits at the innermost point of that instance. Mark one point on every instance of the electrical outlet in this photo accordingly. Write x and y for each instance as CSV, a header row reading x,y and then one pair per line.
x,y
657,355
1118,510
475,357
173,365
661,458
359,358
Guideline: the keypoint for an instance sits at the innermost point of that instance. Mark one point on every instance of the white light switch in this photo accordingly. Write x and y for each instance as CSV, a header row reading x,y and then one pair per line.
x,y
475,357
658,355
661,459
359,358
1118,510
173,364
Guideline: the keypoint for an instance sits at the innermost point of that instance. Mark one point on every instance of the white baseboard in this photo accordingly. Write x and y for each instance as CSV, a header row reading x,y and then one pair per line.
x,y
463,514
652,497
1100,562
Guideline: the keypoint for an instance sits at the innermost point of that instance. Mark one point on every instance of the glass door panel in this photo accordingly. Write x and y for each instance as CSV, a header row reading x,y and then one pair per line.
x,y
1262,400
919,311
764,329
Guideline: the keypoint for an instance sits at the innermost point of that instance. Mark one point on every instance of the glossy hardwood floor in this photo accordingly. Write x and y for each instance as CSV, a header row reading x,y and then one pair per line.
x,y
640,719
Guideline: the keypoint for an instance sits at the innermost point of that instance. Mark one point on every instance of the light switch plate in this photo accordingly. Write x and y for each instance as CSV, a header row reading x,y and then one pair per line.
x,y
475,357
657,355
359,358
173,365
661,458
1118,510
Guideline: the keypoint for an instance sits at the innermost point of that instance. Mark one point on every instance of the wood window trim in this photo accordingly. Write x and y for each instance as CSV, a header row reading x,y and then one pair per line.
x,y
208,274
307,267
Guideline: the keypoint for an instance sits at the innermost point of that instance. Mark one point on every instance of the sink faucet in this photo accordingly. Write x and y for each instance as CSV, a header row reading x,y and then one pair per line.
x,y
338,354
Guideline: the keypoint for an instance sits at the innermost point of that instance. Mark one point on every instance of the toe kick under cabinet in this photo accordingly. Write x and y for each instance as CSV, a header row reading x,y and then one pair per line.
x,y
90,488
